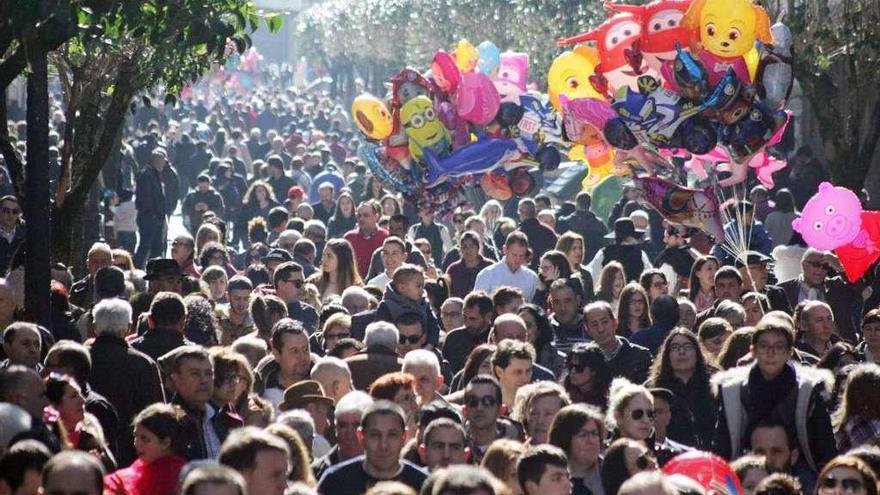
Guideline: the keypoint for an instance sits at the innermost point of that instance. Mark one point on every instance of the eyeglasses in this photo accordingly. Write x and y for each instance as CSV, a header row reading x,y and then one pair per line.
x,y
638,414
645,461
411,339
297,282
847,485
817,264
485,401
590,434
687,347
775,349
233,379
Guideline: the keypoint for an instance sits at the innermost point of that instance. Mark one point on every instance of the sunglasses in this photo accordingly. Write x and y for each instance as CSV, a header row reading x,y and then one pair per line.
x,y
645,461
486,401
296,283
850,485
411,339
638,414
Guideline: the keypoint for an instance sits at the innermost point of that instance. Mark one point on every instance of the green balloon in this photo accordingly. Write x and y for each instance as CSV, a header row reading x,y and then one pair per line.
x,y
605,194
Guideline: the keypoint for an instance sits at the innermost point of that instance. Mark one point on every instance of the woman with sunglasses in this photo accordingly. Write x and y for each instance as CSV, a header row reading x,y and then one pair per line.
x,y
183,250
631,415
684,370
587,376
625,458
578,430
846,474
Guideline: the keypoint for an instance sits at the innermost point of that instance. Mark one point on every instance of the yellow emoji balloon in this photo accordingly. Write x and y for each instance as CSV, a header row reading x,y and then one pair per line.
x,y
466,56
423,127
728,28
372,116
570,73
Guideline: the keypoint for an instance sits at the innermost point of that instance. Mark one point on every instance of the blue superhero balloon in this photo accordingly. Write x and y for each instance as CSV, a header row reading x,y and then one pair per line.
x,y
481,156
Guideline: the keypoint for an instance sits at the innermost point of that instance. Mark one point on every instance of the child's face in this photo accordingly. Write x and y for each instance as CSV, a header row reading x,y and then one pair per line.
x,y
413,288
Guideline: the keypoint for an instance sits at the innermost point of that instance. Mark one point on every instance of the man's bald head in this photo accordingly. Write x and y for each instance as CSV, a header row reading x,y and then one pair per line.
x,y
509,326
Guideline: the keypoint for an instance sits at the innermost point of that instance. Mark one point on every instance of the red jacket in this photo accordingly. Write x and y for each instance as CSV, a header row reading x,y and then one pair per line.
x,y
157,478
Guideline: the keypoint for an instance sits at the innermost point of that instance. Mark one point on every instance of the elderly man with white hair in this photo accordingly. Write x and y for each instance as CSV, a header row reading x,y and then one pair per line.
x,y
82,292
425,367
128,378
334,376
378,358
347,419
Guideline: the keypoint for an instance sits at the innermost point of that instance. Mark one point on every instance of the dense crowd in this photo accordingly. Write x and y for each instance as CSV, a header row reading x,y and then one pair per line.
x,y
309,332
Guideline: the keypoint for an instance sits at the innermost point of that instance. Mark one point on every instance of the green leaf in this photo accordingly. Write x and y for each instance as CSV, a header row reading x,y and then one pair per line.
x,y
274,23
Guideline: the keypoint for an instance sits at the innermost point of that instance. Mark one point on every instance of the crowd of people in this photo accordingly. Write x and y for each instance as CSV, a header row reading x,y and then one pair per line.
x,y
312,333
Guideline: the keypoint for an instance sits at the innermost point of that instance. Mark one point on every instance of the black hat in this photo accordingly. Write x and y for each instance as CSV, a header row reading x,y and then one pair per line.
x,y
277,254
109,282
751,258
623,228
663,393
162,267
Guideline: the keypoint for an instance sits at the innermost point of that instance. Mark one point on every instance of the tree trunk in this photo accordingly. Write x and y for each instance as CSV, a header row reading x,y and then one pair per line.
x,y
36,205
88,158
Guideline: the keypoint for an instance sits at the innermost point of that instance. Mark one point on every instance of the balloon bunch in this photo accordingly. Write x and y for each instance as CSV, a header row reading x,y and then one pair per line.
x,y
703,82
469,117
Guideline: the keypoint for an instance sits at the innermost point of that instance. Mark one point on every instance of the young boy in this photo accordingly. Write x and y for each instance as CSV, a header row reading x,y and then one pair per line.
x,y
406,294
543,470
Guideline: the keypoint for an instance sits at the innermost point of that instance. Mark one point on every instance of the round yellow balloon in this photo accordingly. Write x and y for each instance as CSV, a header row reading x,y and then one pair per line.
x,y
466,56
372,116
570,73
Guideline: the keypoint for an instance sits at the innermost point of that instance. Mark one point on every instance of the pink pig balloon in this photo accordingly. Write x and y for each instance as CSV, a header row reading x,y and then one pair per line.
x,y
477,100
831,218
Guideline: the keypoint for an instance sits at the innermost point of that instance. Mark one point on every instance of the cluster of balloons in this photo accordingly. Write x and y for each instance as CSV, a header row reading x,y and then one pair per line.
x,y
703,81
470,117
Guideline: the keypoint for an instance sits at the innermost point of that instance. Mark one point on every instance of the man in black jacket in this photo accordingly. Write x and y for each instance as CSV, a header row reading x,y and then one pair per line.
x,y
586,223
129,379
167,315
11,230
202,199
151,205
192,375
624,358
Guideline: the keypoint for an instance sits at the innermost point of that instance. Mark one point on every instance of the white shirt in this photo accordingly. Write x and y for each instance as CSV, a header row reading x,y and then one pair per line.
x,y
380,281
499,274
597,264
212,441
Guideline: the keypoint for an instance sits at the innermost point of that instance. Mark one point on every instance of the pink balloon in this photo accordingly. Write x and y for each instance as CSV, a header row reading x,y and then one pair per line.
x,y
831,218
445,72
477,100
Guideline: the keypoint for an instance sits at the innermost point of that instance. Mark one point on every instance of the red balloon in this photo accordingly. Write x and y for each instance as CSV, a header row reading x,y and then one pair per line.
x,y
709,470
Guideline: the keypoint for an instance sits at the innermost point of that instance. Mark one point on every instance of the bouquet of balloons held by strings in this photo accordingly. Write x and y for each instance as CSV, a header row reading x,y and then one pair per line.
x,y
698,82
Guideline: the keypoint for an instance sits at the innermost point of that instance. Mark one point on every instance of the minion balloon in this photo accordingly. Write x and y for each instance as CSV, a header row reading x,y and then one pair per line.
x,y
423,128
